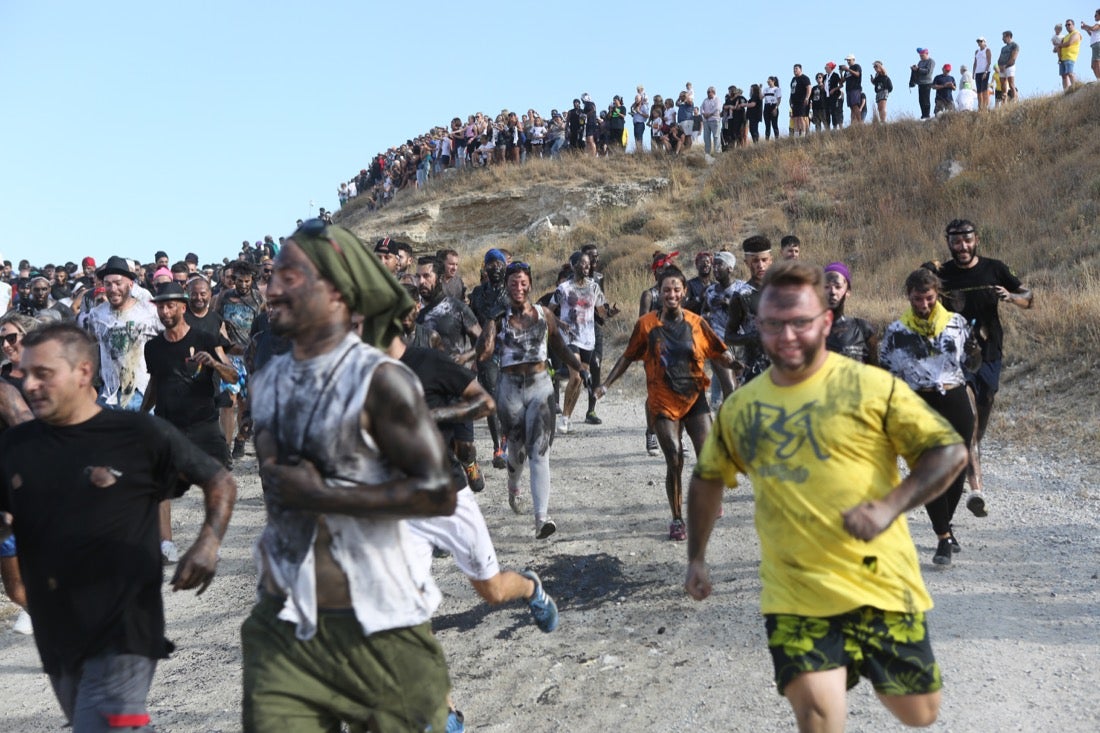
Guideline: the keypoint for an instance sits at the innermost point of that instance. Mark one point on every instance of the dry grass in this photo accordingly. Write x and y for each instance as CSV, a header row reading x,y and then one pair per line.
x,y
878,198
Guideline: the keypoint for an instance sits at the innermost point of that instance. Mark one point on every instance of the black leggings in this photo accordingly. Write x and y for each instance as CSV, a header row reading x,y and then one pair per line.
x,y
955,407
771,120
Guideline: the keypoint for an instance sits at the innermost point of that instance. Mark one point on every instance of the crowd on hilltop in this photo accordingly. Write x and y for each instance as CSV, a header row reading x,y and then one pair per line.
x,y
676,122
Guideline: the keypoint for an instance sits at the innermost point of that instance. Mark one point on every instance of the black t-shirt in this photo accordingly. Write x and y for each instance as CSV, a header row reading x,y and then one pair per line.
x,y
799,85
451,319
486,300
853,80
851,337
185,391
694,300
210,323
970,291
443,382
85,500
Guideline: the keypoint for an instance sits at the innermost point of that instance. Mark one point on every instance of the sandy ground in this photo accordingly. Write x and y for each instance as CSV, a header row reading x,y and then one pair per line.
x,y
1015,626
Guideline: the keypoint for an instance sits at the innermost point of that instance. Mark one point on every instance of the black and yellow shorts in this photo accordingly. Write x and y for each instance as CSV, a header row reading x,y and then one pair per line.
x,y
890,648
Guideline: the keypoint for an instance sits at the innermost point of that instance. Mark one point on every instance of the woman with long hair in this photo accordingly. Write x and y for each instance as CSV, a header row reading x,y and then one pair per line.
x,y
755,111
773,95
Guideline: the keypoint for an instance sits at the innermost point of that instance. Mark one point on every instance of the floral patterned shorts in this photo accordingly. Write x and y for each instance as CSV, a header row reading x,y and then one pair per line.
x,y
889,648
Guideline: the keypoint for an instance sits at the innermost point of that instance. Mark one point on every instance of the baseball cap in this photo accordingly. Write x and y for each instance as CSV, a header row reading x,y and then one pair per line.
x,y
981,39
87,262
850,57
922,50
947,67
382,246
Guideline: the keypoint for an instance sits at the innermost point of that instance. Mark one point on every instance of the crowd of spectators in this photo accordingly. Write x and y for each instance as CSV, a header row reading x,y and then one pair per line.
x,y
676,122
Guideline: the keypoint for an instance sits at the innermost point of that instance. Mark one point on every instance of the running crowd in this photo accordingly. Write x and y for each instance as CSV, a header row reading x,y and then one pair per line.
x,y
678,121
358,373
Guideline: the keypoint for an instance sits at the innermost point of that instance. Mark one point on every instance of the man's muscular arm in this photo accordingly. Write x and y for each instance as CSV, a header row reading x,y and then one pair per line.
x,y
13,408
473,404
397,418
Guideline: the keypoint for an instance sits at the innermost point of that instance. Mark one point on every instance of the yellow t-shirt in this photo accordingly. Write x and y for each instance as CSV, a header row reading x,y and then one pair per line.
x,y
813,451
1069,53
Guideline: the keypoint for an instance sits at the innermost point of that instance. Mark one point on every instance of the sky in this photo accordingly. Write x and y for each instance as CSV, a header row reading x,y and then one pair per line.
x,y
132,127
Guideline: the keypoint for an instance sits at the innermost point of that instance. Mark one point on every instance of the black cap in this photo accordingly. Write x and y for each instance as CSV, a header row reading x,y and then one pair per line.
x,y
170,291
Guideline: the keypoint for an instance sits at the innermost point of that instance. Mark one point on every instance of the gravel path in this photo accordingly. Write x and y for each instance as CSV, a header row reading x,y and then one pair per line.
x,y
1014,628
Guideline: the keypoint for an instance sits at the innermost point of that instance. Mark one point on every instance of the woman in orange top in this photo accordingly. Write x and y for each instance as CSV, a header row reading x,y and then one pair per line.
x,y
675,345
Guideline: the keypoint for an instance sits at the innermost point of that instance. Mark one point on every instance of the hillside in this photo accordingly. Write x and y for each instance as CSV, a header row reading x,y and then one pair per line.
x,y
876,197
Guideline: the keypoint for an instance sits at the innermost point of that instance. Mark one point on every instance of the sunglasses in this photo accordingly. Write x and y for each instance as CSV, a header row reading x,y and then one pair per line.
x,y
11,338
517,267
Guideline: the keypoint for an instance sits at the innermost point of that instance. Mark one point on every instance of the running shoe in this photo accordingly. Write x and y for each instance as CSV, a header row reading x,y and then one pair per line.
x,y
976,505
499,461
541,604
563,425
474,477
545,528
456,723
955,546
22,624
943,552
677,531
168,552
593,419
238,448
651,446
515,500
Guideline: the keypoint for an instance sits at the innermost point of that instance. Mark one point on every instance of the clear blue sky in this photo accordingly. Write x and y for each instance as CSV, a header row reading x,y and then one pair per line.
x,y
132,127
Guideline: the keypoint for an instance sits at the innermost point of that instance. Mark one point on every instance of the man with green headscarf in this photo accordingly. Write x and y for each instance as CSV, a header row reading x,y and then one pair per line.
x,y
346,448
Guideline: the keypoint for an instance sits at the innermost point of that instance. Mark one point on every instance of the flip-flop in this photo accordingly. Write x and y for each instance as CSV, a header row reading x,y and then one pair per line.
x,y
976,505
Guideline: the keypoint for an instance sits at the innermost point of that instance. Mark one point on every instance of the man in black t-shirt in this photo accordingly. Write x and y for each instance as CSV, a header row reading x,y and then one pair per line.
x,y
183,364
853,337
974,287
458,331
800,101
83,485
853,87
488,300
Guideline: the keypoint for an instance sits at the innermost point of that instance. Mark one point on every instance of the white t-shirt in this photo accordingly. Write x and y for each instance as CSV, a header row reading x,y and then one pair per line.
x,y
5,297
578,303
122,336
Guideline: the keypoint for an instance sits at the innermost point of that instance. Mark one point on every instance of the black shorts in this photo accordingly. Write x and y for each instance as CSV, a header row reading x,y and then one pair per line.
x,y
701,406
800,109
463,431
585,355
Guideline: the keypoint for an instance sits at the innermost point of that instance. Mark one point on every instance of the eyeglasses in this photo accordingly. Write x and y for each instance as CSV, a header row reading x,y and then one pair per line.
x,y
11,338
517,267
964,236
776,326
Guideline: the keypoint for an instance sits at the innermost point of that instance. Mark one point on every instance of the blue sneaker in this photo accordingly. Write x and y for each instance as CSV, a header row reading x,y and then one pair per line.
x,y
542,605
455,722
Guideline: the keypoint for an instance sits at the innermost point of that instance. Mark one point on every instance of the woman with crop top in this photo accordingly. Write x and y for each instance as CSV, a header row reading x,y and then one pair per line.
x,y
520,336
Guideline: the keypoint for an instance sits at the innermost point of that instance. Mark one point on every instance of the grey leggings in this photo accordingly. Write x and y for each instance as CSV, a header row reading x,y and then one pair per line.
x,y
523,405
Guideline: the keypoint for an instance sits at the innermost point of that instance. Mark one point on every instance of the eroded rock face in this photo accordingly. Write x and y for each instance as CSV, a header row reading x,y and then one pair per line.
x,y
478,218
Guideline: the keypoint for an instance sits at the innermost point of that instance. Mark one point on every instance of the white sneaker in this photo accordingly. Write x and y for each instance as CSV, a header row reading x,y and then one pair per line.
x,y
22,624
168,552
563,425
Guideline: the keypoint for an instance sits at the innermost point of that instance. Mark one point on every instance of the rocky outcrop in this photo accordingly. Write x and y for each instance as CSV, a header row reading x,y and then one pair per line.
x,y
480,219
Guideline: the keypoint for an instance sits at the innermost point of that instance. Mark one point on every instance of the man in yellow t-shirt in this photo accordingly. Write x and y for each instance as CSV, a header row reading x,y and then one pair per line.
x,y
819,436
1067,55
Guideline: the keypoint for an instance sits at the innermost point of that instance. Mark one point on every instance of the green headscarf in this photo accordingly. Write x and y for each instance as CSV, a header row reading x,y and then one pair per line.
x,y
361,279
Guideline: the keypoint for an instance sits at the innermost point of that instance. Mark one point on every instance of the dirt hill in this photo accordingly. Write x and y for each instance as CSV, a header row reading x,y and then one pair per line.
x,y
876,197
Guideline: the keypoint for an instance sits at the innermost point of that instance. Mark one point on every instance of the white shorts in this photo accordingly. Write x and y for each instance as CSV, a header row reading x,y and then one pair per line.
x,y
463,534
688,126
1008,72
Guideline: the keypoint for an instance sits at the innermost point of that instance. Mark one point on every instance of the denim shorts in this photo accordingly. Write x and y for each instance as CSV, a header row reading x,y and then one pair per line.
x,y
1065,68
